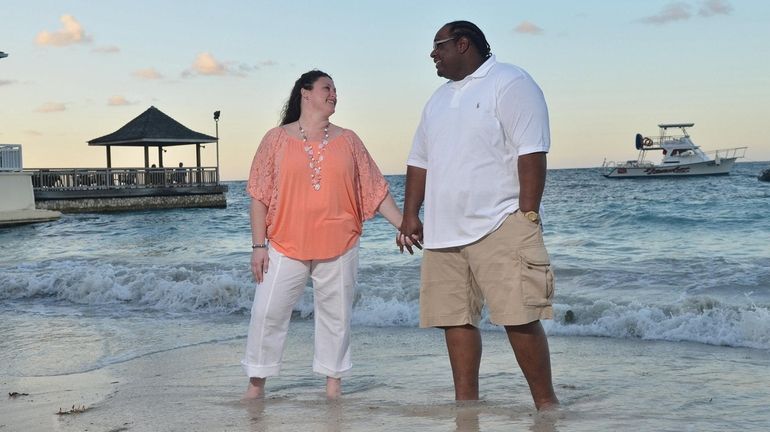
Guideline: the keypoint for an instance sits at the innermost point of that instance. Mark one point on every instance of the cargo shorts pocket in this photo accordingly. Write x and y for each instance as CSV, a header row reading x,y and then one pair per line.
x,y
537,281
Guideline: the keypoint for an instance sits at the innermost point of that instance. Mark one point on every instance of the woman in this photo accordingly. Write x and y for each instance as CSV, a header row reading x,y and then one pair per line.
x,y
312,185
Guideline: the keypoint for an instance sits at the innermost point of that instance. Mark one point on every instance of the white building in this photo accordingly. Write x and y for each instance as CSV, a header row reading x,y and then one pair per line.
x,y
17,200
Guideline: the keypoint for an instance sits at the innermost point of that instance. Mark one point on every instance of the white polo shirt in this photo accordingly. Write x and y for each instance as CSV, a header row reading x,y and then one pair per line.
x,y
469,140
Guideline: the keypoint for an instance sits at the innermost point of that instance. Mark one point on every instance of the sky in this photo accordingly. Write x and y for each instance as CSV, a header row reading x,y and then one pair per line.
x,y
78,70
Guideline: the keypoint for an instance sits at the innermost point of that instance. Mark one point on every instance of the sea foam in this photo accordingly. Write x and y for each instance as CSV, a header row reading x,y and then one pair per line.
x,y
389,302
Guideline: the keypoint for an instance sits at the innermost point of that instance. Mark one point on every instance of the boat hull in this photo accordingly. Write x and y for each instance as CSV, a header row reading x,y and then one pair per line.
x,y
709,168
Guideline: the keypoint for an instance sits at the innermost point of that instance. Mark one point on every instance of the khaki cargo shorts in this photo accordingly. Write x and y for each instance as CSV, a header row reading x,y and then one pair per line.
x,y
509,268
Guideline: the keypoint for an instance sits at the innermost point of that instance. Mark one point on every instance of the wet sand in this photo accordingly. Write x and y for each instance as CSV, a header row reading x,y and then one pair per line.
x,y
401,381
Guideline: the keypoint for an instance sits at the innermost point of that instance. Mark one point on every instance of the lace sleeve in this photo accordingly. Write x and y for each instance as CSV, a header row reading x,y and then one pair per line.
x,y
372,186
262,181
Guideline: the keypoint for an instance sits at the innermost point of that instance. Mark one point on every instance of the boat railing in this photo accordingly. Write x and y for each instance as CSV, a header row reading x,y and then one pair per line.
x,y
120,178
10,157
731,153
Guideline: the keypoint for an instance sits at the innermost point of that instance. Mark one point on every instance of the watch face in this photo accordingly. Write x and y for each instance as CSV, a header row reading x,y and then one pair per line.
x,y
532,216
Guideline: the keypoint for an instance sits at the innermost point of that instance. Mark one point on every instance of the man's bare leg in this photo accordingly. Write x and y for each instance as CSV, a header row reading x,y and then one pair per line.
x,y
256,388
530,345
464,346
333,387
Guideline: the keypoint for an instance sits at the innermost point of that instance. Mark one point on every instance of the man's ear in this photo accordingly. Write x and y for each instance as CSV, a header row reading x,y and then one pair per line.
x,y
463,44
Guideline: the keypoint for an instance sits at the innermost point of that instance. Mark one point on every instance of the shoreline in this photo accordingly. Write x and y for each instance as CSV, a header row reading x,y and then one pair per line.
x,y
42,397
401,381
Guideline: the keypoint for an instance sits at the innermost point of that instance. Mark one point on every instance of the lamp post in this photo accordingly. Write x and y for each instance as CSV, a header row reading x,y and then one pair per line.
x,y
216,126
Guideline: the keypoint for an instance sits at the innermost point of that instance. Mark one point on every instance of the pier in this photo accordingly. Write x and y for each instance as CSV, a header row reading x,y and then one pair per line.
x,y
135,188
118,189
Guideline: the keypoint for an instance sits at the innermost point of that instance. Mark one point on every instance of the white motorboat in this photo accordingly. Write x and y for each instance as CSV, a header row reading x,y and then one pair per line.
x,y
681,157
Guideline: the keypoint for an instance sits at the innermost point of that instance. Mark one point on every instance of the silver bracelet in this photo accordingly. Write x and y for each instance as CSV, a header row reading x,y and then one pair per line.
x,y
259,246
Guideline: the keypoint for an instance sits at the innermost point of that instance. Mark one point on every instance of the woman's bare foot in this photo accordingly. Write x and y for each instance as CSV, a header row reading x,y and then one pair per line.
x,y
333,388
256,389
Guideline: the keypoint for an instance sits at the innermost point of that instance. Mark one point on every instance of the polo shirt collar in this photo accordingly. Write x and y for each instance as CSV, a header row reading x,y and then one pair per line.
x,y
481,72
485,67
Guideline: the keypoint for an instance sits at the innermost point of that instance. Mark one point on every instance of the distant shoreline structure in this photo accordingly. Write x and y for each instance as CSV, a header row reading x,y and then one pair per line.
x,y
17,202
139,188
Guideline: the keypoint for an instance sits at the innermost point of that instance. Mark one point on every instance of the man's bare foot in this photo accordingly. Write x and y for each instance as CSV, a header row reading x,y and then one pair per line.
x,y
548,406
256,389
333,388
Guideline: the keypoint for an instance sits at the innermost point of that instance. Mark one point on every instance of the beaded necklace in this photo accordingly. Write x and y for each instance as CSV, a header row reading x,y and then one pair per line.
x,y
315,162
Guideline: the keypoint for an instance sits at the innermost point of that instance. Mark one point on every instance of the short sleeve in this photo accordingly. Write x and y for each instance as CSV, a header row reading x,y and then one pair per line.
x,y
418,156
262,177
524,116
371,184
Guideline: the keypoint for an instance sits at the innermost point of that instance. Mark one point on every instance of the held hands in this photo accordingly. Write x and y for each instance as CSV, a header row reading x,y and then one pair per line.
x,y
259,263
410,234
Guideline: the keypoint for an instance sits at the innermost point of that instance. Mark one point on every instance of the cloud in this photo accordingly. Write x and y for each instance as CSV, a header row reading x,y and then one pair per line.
x,y
148,74
714,7
527,27
107,49
672,12
206,64
118,101
246,68
680,11
6,82
72,33
50,107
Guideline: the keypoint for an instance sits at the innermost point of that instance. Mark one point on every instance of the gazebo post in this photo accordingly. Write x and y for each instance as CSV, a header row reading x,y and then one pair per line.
x,y
198,161
160,156
109,166
146,156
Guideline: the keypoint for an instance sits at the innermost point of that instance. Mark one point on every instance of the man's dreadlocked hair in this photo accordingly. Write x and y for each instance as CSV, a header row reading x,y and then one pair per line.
x,y
473,33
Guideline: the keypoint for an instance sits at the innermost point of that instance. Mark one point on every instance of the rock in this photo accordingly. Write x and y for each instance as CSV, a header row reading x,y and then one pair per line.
x,y
569,317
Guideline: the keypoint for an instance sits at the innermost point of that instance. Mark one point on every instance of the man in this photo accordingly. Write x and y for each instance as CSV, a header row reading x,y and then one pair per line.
x,y
478,161
180,174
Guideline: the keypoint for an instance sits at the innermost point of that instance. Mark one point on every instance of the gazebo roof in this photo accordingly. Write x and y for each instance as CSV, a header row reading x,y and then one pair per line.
x,y
155,129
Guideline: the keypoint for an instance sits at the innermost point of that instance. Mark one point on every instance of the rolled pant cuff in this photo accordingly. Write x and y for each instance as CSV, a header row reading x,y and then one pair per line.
x,y
255,371
323,370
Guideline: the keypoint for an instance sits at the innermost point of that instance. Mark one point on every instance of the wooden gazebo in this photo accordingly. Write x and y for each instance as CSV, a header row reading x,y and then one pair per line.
x,y
134,188
153,128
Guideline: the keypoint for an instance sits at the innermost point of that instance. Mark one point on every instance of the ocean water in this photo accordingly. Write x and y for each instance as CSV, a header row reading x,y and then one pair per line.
x,y
685,262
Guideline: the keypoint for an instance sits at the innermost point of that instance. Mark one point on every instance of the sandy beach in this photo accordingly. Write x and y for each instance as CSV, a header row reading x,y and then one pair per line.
x,y
401,381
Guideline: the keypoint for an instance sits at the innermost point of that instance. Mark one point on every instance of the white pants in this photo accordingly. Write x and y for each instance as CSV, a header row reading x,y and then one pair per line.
x,y
334,282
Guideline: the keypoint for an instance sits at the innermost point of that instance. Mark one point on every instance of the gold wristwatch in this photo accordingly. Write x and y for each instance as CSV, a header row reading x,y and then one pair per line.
x,y
532,216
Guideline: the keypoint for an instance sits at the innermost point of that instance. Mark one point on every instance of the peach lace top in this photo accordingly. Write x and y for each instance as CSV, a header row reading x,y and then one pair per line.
x,y
306,224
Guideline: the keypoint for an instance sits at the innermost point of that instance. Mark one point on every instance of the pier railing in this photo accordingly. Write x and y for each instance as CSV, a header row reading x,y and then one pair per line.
x,y
121,178
10,157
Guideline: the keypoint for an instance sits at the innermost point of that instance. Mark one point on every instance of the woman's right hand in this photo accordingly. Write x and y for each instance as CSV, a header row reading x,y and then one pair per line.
x,y
259,263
